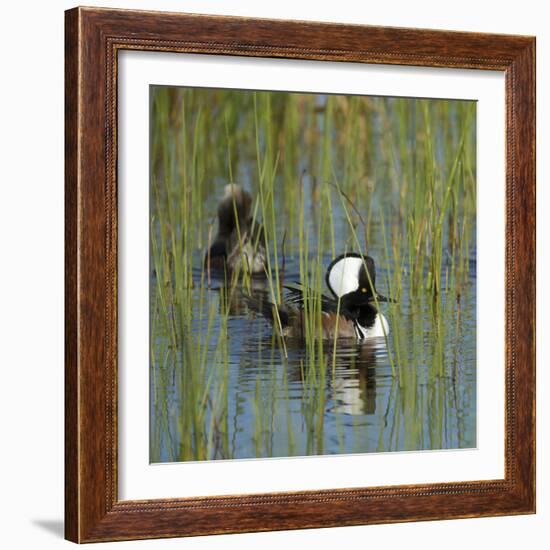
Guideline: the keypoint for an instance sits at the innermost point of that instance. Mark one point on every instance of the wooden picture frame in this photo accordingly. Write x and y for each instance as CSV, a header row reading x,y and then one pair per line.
x,y
93,511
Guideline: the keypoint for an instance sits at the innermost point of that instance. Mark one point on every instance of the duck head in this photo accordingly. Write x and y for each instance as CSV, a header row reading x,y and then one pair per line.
x,y
351,278
234,207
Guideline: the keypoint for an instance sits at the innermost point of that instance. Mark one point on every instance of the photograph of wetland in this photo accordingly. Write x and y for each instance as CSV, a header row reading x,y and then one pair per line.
x,y
312,274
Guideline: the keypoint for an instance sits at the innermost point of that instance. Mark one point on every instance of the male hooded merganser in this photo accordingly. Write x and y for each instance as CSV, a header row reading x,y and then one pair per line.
x,y
351,311
240,240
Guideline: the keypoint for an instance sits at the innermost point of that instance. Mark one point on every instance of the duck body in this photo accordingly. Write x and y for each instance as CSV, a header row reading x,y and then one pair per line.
x,y
336,325
351,311
240,243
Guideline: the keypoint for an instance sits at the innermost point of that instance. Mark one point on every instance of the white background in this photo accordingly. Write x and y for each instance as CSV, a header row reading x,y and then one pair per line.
x,y
31,218
140,480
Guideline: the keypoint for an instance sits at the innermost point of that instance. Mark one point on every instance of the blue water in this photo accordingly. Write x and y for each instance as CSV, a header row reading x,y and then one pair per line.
x,y
363,405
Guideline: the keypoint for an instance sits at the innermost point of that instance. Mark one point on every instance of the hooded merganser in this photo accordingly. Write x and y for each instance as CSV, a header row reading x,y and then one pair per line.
x,y
351,311
240,239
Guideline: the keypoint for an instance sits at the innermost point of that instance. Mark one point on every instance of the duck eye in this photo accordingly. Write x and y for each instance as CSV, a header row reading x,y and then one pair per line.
x,y
363,290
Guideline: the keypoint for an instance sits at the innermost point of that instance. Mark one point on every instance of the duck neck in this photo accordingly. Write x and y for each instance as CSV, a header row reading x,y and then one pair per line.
x,y
365,315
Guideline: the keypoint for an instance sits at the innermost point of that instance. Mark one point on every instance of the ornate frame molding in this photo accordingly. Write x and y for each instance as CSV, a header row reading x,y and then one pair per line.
x,y
93,38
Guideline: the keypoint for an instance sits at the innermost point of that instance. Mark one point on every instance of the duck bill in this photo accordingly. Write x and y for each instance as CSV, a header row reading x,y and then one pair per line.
x,y
381,298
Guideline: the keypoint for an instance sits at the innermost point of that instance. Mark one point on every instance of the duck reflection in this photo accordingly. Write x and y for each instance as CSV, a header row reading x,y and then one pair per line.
x,y
350,386
354,383
351,376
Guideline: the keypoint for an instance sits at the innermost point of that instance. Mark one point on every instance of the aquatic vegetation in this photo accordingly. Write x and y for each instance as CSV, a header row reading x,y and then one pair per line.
x,y
394,177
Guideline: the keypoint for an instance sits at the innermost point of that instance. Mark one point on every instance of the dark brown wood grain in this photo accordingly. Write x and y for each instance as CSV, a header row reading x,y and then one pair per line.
x,y
71,287
93,511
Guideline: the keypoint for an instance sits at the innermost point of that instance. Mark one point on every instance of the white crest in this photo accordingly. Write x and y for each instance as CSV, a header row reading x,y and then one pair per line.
x,y
343,276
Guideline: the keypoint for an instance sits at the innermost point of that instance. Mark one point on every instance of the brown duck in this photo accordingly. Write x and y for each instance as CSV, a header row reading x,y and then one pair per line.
x,y
240,242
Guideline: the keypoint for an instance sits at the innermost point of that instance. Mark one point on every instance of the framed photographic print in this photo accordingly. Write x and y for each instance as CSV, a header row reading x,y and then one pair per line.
x,y
300,275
